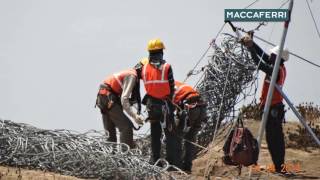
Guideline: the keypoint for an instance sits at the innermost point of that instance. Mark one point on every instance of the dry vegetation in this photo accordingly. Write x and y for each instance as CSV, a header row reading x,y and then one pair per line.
x,y
298,137
308,160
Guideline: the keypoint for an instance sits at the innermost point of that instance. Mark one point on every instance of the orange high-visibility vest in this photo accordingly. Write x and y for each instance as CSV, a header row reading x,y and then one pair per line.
x,y
116,80
182,92
276,98
156,80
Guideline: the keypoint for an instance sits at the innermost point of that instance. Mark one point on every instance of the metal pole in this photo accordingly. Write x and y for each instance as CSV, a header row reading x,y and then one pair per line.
x,y
301,119
273,79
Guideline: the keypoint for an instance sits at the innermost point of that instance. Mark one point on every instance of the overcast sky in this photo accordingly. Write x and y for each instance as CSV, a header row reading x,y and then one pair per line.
x,y
54,53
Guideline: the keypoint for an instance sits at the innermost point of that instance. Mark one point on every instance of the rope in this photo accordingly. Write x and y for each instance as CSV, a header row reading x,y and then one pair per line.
x,y
293,54
193,143
197,83
251,4
283,4
203,55
272,44
314,21
213,41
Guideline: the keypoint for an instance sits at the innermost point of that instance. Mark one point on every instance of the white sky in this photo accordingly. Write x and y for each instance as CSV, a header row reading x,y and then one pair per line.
x,y
54,53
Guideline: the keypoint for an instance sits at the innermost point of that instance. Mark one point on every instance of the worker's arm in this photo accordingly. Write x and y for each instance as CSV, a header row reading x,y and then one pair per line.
x,y
261,53
171,82
136,97
138,67
128,85
256,51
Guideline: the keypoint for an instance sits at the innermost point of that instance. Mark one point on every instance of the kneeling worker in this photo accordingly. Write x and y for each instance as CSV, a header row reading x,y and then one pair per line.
x,y
191,112
114,100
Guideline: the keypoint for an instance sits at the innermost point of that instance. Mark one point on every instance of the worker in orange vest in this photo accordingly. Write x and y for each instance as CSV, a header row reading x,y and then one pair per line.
x,y
274,132
116,95
191,113
158,81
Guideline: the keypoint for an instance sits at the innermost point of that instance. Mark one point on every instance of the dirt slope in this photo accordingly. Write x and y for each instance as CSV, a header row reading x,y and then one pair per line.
x,y
10,173
305,164
309,164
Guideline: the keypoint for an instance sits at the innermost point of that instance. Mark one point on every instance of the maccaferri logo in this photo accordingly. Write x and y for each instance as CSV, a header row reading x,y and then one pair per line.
x,y
271,15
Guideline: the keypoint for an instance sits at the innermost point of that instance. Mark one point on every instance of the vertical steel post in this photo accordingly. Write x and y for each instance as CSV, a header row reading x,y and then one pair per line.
x,y
273,78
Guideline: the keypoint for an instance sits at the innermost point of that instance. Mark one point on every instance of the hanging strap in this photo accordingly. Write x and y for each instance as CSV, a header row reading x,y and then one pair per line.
x,y
239,123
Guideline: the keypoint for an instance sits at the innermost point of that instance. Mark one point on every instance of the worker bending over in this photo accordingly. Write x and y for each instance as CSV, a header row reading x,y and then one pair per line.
x,y
191,112
115,98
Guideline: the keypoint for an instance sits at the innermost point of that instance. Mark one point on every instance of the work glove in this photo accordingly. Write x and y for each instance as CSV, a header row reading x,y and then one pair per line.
x,y
139,119
247,40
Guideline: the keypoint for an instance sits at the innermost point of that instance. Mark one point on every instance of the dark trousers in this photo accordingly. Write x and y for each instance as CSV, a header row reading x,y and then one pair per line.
x,y
156,132
173,145
115,117
189,150
196,116
156,115
274,135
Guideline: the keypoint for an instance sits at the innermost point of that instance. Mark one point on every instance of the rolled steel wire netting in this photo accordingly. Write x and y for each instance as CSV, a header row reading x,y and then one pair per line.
x,y
227,74
87,155
228,78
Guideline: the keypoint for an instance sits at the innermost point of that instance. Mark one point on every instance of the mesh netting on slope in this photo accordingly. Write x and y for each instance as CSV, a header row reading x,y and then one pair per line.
x,y
86,155
229,77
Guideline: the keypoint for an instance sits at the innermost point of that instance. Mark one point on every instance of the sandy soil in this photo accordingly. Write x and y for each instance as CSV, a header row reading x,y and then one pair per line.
x,y
308,161
10,173
306,165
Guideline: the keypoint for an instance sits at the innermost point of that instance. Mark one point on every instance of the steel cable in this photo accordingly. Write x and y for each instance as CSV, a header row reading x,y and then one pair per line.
x,y
229,74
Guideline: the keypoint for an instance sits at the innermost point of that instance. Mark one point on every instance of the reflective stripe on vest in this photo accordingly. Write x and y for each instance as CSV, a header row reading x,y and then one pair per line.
x,y
162,80
156,80
116,80
276,97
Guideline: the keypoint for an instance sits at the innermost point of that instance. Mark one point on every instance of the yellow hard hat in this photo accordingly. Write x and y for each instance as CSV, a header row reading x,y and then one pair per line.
x,y
155,44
